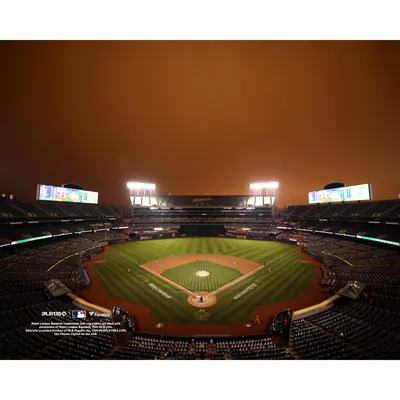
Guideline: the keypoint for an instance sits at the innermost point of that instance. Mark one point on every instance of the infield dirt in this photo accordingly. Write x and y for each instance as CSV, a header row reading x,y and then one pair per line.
x,y
162,264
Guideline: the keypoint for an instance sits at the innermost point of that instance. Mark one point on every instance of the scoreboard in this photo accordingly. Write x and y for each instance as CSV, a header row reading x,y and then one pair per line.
x,y
63,194
347,193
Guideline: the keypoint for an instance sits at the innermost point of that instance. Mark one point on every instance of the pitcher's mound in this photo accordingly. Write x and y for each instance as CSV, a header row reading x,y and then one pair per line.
x,y
202,274
208,300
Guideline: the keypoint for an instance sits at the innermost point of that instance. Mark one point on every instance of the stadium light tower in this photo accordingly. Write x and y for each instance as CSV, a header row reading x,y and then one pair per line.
x,y
138,186
264,188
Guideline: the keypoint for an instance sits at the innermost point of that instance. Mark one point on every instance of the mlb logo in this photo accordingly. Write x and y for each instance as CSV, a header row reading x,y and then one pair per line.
x,y
80,314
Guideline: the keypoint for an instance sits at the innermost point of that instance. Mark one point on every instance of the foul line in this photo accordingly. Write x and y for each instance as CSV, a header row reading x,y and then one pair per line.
x,y
236,281
169,281
160,276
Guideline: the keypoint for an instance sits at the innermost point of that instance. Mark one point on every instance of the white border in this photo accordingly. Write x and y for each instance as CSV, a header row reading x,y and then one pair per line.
x,y
198,379
208,19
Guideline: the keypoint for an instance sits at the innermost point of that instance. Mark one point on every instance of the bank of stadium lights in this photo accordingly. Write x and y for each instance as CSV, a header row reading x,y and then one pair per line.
x,y
264,185
141,187
264,188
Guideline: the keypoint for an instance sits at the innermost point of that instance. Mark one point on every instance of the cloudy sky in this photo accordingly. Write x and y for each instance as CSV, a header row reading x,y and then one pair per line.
x,y
199,117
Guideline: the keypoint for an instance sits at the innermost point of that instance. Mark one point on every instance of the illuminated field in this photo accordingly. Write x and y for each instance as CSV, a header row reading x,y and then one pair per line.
x,y
283,278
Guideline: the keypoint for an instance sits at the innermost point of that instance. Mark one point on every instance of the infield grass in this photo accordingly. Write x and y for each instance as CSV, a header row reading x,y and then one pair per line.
x,y
185,275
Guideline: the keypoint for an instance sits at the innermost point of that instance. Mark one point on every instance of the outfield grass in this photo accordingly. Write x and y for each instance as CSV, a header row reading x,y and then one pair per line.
x,y
185,276
286,280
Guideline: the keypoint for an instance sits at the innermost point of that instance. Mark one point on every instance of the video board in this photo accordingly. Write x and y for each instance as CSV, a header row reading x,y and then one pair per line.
x,y
63,194
347,193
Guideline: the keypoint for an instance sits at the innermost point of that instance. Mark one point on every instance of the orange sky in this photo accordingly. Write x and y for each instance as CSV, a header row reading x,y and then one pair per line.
x,y
199,117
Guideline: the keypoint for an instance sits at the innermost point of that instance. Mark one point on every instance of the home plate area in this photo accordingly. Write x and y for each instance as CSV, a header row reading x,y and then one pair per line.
x,y
202,299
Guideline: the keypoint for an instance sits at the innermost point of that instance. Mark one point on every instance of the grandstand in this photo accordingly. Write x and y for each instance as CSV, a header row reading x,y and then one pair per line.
x,y
196,214
11,210
357,242
377,220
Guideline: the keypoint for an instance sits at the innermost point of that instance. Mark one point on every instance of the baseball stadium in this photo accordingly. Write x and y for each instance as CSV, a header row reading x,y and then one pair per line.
x,y
200,277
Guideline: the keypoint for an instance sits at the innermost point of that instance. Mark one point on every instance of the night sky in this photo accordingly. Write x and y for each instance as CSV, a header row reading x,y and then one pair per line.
x,y
199,117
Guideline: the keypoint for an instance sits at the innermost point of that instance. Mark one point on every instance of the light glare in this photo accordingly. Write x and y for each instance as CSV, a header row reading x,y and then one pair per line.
x,y
264,185
141,185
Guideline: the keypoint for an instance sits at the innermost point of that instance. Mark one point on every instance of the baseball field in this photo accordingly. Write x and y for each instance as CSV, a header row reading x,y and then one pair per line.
x,y
202,281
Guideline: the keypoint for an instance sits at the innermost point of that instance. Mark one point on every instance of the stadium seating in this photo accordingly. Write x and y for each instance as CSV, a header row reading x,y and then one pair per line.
x,y
365,328
142,347
10,209
384,209
362,328
352,330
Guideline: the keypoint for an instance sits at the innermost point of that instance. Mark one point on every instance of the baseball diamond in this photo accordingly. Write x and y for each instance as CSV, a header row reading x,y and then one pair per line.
x,y
188,275
274,271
